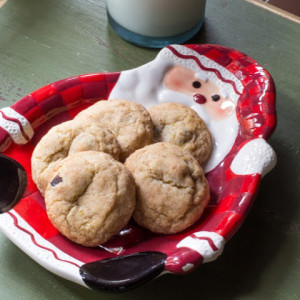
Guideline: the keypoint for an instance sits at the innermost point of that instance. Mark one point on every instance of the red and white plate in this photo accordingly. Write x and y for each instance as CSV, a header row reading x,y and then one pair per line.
x,y
240,121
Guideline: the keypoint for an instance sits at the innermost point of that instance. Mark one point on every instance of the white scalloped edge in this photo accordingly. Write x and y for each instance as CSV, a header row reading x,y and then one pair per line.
x,y
42,256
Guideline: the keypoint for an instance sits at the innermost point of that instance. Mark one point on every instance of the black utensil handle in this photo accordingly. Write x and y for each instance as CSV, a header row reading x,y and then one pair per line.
x,y
13,181
122,273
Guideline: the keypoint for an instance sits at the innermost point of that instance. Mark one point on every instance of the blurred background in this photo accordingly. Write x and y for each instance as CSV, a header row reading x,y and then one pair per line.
x,y
292,6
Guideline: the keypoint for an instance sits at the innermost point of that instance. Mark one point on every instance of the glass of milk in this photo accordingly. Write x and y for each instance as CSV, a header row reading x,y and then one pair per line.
x,y
156,23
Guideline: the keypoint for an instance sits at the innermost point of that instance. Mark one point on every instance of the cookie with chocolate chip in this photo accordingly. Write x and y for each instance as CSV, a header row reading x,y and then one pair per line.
x,y
172,190
180,125
65,139
90,197
130,122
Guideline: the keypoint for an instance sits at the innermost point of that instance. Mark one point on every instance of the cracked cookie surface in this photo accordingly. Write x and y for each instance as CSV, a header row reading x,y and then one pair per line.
x,y
90,197
130,122
180,125
171,188
65,139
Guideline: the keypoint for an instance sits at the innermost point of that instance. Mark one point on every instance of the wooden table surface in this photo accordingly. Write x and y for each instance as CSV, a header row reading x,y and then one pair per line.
x,y
43,41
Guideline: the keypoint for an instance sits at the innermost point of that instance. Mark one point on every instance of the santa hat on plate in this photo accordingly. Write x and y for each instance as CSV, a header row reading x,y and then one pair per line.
x,y
239,77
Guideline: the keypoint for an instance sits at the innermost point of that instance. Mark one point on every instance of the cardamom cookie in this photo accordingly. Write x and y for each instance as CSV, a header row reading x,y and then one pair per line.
x,y
180,125
90,197
172,190
130,122
65,139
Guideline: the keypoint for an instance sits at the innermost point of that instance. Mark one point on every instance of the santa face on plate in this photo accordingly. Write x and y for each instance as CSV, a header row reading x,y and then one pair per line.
x,y
199,83
202,90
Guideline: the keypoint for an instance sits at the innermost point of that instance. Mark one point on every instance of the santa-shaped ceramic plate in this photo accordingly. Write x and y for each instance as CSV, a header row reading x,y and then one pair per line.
x,y
233,94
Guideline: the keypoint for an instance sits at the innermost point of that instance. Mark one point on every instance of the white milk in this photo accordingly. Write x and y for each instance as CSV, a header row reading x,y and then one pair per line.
x,y
157,18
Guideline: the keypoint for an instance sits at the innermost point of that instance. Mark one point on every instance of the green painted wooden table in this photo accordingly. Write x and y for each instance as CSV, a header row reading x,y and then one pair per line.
x,y
43,41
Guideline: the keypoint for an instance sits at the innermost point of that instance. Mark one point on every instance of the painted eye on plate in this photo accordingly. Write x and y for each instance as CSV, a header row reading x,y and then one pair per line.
x,y
215,97
196,84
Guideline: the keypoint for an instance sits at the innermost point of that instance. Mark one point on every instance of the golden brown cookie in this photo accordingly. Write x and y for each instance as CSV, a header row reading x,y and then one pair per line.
x,y
172,190
130,122
180,125
65,139
90,197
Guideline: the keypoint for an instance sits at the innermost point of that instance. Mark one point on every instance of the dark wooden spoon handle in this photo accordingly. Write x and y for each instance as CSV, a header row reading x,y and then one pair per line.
x,y
13,180
122,273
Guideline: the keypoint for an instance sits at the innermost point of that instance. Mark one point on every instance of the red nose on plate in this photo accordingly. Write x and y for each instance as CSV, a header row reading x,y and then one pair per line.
x,y
200,99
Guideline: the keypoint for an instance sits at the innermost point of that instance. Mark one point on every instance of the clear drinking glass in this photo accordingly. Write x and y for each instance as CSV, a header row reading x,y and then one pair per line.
x,y
156,23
